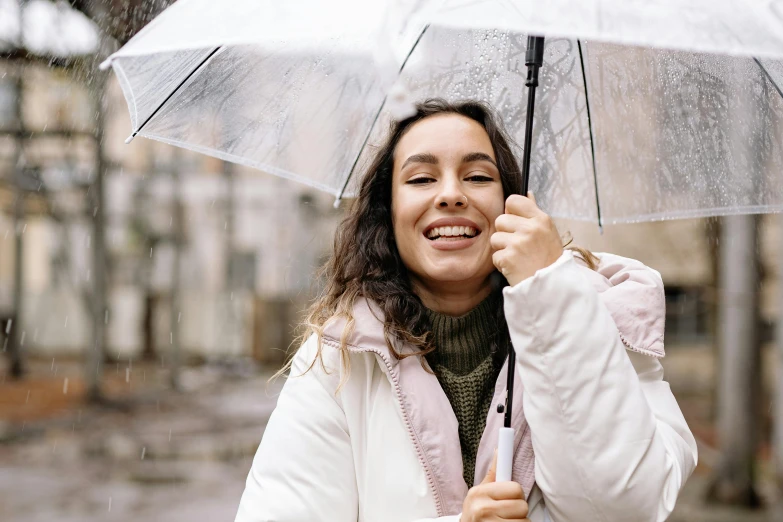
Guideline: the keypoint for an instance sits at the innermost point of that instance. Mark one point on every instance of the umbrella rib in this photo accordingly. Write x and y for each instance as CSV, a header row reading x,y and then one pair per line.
x,y
375,120
173,92
592,140
769,76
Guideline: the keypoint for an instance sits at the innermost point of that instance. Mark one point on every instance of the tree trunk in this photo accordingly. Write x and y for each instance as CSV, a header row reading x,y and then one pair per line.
x,y
96,353
777,427
229,215
15,332
148,326
739,381
178,239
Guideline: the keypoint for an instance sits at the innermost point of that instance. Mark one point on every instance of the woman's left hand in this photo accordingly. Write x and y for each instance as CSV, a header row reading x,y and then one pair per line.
x,y
525,239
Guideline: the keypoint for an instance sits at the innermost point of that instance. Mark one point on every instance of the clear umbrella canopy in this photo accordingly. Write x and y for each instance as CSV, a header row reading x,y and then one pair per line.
x,y
647,110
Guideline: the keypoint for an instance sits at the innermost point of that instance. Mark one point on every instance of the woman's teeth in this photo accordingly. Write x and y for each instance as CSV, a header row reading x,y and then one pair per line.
x,y
451,232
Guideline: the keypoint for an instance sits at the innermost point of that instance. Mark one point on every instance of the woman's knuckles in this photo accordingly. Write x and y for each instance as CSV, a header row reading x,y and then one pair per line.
x,y
531,227
520,205
484,509
509,491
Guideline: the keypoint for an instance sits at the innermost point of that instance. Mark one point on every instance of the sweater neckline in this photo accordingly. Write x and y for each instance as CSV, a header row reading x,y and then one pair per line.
x,y
463,343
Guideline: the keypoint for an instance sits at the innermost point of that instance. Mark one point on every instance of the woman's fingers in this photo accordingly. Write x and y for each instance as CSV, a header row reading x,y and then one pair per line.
x,y
500,240
511,509
509,490
525,240
510,223
522,206
495,501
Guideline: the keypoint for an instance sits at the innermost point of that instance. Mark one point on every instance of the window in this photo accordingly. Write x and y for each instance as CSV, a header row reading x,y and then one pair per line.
x,y
687,314
7,101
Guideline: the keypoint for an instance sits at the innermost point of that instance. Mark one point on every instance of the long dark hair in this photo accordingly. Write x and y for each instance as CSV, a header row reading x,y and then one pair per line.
x,y
366,262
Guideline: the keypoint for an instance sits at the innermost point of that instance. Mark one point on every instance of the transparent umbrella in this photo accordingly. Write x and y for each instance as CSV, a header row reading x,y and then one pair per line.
x,y
647,110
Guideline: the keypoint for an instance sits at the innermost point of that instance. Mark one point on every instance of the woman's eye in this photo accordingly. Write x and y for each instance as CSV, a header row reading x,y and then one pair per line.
x,y
419,181
480,178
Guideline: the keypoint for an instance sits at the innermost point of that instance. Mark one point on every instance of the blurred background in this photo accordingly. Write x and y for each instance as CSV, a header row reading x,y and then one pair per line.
x,y
148,293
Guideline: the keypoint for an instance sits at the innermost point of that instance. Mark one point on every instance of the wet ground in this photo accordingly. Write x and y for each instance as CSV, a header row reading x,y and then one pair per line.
x,y
153,455
172,457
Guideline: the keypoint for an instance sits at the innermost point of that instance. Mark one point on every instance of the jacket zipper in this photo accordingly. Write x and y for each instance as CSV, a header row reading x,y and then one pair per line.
x,y
411,433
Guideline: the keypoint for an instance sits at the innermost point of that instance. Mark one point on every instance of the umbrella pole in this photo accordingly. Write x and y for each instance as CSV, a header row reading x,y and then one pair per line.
x,y
534,59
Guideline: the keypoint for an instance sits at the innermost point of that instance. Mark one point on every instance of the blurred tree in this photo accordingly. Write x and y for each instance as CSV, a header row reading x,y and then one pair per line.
x,y
177,237
82,69
100,305
777,429
739,383
14,334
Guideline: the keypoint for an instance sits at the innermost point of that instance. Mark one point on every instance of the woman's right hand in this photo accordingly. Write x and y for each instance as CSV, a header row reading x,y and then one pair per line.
x,y
492,500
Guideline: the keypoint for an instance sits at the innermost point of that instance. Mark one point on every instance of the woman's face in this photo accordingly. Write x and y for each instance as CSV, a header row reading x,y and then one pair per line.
x,y
446,194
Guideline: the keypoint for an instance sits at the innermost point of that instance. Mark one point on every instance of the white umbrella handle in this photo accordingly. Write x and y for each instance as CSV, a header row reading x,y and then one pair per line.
x,y
505,455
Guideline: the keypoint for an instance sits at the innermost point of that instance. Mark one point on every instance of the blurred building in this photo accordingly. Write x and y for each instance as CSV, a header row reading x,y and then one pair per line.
x,y
248,243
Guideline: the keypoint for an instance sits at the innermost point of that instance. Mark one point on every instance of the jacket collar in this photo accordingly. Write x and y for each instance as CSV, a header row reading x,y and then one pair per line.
x,y
631,291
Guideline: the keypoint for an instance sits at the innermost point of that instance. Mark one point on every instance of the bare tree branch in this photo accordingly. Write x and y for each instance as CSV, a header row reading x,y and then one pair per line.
x,y
121,19
26,57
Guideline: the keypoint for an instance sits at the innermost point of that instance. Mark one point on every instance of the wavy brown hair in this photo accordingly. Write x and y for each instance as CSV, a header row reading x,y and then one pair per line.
x,y
366,263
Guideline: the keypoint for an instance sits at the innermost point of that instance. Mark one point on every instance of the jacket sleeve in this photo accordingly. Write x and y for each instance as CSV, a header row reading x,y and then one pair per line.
x,y
303,469
609,438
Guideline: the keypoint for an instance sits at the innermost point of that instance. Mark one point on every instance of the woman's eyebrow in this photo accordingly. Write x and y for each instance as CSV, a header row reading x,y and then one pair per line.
x,y
425,157
478,156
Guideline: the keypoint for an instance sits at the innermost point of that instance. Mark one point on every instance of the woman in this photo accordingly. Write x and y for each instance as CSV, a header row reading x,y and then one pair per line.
x,y
441,265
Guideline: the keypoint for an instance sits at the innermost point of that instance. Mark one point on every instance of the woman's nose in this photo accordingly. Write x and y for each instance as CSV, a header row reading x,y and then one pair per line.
x,y
455,199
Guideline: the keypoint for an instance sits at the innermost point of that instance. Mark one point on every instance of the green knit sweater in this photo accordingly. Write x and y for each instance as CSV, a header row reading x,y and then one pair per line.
x,y
467,369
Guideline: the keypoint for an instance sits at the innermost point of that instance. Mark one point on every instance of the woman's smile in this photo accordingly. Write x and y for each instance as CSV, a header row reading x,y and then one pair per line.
x,y
451,233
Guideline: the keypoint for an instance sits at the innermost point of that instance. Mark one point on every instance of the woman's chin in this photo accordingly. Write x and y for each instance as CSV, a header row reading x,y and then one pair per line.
x,y
457,273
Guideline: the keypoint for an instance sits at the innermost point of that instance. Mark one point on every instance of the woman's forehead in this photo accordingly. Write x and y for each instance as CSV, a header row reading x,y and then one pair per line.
x,y
443,135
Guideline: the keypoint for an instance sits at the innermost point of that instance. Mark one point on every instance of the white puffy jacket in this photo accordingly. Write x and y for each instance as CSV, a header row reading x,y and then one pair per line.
x,y
609,442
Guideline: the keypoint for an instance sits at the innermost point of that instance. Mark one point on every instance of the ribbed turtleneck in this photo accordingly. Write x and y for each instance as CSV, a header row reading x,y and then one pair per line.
x,y
463,342
466,369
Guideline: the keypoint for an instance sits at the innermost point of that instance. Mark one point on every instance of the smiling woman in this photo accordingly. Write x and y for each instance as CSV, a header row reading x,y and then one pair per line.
x,y
441,185
457,154
441,266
